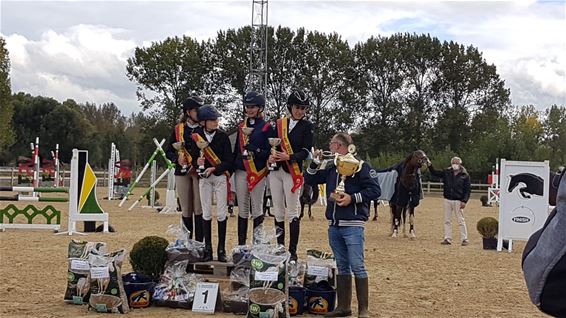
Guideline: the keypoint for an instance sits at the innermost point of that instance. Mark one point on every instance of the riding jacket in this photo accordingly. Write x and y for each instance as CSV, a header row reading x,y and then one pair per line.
x,y
257,145
189,145
362,187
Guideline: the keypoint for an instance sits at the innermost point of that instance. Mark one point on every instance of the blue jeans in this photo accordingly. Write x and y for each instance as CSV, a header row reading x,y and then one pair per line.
x,y
347,243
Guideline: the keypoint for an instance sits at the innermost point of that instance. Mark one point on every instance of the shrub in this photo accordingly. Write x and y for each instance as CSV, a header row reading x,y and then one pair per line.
x,y
488,227
148,256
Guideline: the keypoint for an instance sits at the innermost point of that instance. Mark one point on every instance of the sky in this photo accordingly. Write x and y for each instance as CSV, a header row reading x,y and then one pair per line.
x,y
79,49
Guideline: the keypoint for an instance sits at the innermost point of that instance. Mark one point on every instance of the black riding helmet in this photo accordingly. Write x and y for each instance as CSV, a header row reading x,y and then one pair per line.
x,y
252,98
192,103
299,98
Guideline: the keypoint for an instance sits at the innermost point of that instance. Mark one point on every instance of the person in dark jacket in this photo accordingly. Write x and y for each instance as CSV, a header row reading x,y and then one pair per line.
x,y
347,216
217,162
456,183
250,163
296,134
186,178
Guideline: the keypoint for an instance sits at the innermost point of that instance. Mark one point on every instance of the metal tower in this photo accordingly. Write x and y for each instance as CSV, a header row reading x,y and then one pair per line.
x,y
257,76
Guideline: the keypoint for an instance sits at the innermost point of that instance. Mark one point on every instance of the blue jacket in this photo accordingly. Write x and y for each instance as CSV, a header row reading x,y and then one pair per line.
x,y
362,187
257,143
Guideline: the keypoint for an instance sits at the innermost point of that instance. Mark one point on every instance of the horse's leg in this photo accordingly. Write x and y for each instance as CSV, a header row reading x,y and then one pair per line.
x,y
396,212
404,216
412,234
302,211
375,203
310,213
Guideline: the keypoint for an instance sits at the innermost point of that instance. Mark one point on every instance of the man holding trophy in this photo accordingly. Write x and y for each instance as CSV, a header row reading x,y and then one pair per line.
x,y
213,155
295,137
250,163
351,185
186,179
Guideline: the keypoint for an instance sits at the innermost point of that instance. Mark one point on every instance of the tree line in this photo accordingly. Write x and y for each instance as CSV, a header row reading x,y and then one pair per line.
x,y
394,93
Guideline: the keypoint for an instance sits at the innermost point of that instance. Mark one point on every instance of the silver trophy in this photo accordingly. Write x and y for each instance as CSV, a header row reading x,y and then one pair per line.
x,y
274,142
247,131
181,152
201,144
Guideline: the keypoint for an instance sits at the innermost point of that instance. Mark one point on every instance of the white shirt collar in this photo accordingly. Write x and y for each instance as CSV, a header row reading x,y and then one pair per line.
x,y
292,123
209,136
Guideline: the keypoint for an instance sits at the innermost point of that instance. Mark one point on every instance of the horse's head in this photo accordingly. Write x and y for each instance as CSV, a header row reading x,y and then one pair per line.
x,y
418,159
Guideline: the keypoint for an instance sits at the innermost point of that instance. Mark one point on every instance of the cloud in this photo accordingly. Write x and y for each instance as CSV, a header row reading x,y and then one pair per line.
x,y
85,63
81,51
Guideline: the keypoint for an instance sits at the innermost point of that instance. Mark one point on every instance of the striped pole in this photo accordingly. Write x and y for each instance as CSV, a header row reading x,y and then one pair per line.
x,y
36,164
34,189
155,153
19,197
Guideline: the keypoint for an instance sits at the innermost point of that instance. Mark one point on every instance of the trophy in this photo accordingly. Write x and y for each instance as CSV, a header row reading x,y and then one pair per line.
x,y
346,165
181,152
274,142
201,144
247,131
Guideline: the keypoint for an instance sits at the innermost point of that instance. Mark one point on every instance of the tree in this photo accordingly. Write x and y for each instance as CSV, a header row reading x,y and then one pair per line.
x,y
554,126
466,85
167,73
378,69
324,63
7,137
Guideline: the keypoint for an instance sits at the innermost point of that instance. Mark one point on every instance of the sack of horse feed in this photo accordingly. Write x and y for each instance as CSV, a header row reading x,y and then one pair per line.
x,y
268,281
107,292
544,260
320,267
183,248
176,288
78,272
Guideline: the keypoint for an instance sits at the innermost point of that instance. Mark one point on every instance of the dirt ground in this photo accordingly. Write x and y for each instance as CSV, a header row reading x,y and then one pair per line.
x,y
419,278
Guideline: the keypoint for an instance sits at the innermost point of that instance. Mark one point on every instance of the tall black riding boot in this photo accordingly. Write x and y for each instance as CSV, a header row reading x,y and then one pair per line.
x,y
222,241
242,230
280,230
199,236
257,222
294,229
363,297
188,223
207,227
344,295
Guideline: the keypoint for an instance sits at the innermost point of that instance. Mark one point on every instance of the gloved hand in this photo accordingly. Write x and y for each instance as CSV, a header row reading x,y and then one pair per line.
x,y
252,148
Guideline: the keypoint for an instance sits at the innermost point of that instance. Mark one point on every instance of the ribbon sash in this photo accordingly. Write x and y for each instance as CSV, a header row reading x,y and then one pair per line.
x,y
253,176
180,136
213,159
294,169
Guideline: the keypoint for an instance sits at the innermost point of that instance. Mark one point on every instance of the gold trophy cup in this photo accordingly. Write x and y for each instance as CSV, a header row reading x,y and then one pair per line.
x,y
247,131
274,142
181,152
201,144
347,165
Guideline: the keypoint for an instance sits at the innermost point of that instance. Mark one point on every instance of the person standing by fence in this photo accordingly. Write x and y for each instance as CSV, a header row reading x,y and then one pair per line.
x,y
456,183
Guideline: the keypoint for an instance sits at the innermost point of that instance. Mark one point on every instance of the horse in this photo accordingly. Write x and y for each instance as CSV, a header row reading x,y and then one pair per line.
x,y
309,196
407,193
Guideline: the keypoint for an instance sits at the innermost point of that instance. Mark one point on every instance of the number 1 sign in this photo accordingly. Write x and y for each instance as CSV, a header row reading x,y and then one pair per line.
x,y
205,298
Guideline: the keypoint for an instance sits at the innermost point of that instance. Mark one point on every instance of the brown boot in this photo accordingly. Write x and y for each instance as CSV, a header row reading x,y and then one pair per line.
x,y
344,295
363,294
